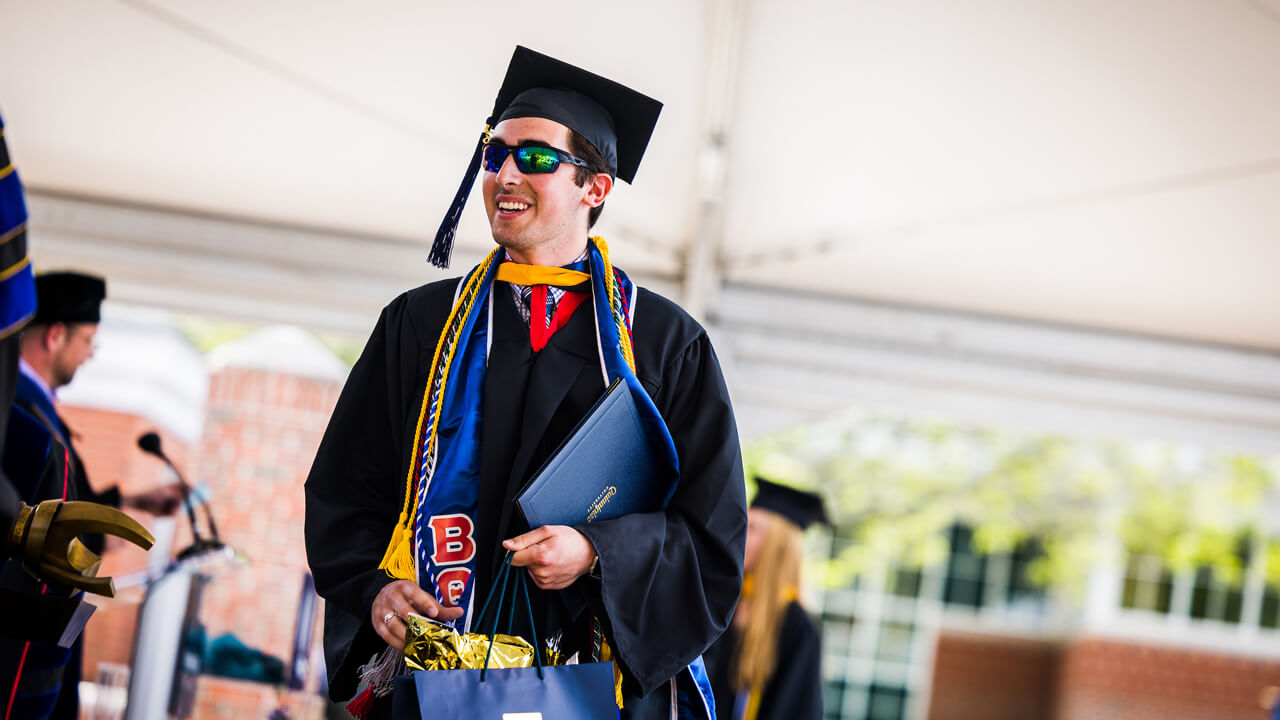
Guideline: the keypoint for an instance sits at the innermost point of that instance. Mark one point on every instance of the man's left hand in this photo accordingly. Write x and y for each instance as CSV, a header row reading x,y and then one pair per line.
x,y
555,555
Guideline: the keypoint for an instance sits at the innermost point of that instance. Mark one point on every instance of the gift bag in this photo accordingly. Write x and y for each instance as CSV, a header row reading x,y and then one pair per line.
x,y
560,693
556,692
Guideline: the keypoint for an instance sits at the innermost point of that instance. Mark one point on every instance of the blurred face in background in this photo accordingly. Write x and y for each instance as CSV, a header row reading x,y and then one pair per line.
x,y
69,350
757,521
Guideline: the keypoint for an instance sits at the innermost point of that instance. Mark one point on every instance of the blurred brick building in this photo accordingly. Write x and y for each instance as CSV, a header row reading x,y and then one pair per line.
x,y
991,677
973,639
265,404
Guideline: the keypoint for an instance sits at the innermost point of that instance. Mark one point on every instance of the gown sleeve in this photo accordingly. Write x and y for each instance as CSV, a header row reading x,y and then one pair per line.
x,y
354,492
670,579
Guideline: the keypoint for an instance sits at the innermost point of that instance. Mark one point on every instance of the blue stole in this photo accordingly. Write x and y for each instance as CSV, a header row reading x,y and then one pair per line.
x,y
444,523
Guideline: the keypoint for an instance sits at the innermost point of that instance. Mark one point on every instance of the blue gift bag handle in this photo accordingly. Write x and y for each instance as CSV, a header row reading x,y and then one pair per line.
x,y
501,582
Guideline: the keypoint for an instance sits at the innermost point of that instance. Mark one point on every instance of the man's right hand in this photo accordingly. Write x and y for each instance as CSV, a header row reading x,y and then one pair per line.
x,y
403,597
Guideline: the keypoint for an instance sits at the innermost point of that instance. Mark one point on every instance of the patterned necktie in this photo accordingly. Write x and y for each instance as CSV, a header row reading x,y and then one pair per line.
x,y
526,300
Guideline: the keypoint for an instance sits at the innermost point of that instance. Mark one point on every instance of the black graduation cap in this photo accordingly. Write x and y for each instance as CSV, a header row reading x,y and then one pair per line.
x,y
69,297
615,119
799,506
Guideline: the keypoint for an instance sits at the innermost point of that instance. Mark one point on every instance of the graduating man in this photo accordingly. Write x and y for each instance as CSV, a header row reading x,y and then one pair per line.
x,y
467,386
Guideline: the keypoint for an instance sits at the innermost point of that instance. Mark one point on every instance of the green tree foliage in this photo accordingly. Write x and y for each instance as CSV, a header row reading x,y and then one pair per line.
x,y
207,333
896,485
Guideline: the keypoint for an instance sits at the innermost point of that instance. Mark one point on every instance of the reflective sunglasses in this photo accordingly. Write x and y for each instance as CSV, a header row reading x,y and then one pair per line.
x,y
530,159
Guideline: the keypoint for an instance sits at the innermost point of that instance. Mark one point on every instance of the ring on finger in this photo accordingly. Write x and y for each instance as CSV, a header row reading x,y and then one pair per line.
x,y
386,619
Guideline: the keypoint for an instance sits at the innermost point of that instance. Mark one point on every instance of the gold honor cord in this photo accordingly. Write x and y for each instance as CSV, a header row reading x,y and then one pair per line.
x,y
615,302
399,560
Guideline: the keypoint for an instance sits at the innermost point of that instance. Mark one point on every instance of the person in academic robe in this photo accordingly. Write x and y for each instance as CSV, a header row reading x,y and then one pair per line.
x,y
59,340
767,666
40,448
467,386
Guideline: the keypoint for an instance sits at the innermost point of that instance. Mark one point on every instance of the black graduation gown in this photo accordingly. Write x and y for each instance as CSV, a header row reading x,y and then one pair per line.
x,y
670,579
794,691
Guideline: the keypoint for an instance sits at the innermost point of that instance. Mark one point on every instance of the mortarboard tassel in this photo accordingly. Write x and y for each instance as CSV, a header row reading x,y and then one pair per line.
x,y
442,247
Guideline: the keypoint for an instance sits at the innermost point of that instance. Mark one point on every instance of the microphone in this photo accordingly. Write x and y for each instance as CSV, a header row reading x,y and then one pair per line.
x,y
150,444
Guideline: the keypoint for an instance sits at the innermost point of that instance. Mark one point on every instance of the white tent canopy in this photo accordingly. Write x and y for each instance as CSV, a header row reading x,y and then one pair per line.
x,y
1103,173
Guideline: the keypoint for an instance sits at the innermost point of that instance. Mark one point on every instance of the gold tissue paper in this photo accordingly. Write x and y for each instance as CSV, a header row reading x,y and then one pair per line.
x,y
430,645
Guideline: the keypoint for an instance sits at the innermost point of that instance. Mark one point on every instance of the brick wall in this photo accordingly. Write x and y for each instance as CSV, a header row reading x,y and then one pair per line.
x,y
224,698
261,433
996,678
983,677
108,445
1110,680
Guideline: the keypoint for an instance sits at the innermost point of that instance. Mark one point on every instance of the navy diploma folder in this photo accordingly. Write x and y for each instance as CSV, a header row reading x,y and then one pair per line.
x,y
604,469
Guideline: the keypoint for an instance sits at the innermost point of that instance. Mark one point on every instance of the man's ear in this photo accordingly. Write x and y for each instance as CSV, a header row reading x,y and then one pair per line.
x,y
54,336
598,189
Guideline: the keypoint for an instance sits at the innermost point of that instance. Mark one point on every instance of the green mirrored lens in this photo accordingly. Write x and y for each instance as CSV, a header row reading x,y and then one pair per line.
x,y
537,160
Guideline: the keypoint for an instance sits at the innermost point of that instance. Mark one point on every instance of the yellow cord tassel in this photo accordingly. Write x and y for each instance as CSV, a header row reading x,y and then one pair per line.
x,y
606,654
398,560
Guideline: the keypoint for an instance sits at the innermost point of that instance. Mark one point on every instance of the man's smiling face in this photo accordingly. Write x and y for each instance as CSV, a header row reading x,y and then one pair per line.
x,y
537,213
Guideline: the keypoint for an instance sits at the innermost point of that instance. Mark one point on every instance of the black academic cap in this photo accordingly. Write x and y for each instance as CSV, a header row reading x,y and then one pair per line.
x,y
69,297
800,507
615,119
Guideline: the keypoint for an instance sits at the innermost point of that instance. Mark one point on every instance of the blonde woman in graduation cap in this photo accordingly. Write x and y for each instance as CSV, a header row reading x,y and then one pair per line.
x,y
766,666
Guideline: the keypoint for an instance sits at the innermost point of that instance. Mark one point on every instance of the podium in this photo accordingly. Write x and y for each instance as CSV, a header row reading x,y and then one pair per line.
x,y
169,647
168,641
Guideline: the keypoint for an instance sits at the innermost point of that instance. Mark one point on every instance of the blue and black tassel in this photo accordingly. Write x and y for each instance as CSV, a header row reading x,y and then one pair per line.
x,y
442,247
